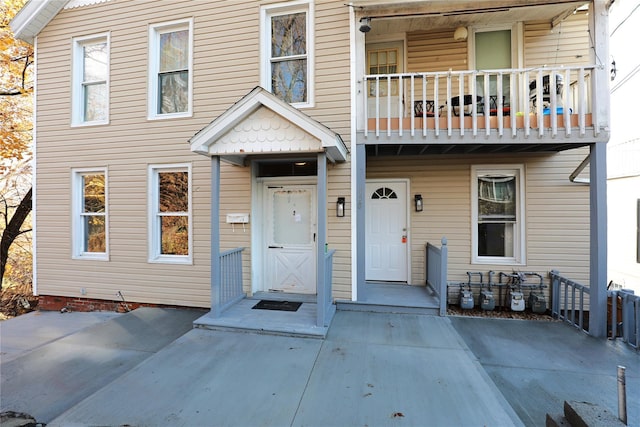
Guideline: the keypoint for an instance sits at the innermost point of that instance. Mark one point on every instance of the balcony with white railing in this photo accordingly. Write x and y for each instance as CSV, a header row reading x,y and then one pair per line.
x,y
551,105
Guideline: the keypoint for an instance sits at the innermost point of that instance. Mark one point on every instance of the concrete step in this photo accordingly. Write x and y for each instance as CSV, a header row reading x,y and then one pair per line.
x,y
557,420
583,414
385,308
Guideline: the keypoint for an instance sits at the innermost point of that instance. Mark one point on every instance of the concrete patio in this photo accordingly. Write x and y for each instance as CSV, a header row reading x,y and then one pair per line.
x,y
149,367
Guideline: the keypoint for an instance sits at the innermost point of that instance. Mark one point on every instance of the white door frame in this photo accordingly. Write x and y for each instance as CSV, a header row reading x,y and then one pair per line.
x,y
258,244
407,183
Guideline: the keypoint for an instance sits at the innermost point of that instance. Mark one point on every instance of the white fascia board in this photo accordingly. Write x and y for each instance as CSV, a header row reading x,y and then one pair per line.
x,y
258,97
33,17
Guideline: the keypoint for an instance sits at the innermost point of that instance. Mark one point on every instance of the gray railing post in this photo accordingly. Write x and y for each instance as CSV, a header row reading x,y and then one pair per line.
x,y
444,254
614,313
555,293
326,308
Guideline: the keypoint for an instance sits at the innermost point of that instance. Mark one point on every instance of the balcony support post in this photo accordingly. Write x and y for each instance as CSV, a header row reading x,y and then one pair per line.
x,y
358,253
598,241
216,272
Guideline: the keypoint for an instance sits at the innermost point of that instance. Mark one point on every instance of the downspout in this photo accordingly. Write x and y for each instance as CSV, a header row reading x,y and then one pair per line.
x,y
353,156
34,252
574,175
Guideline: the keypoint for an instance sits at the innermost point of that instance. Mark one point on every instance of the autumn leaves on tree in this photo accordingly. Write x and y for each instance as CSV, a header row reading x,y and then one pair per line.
x,y
16,98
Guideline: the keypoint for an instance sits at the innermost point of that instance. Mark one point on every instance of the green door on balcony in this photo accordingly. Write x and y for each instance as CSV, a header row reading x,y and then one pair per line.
x,y
492,52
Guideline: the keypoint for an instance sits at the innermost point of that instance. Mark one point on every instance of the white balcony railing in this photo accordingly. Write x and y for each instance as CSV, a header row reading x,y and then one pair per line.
x,y
542,101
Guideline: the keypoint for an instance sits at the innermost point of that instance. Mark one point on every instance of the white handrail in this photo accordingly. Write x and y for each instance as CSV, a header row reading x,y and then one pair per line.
x,y
501,92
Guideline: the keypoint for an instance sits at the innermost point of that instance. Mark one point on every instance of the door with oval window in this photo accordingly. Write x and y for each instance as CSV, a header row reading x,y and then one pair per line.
x,y
386,239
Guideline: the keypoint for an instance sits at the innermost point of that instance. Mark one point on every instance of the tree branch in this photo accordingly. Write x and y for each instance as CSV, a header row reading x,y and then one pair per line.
x,y
12,93
13,230
24,71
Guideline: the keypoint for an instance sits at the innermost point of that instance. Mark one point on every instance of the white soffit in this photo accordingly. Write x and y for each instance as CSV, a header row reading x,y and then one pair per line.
x,y
33,17
260,123
36,14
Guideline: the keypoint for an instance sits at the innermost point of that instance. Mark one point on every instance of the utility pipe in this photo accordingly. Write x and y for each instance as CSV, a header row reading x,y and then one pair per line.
x,y
622,395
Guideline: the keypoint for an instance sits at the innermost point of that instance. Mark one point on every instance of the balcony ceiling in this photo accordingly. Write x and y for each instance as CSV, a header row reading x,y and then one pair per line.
x,y
390,17
399,149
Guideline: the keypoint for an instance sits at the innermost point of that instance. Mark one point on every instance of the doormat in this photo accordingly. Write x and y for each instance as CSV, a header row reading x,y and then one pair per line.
x,y
277,305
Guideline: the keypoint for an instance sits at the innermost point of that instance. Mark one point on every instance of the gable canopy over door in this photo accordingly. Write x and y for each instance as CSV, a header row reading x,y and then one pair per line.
x,y
259,124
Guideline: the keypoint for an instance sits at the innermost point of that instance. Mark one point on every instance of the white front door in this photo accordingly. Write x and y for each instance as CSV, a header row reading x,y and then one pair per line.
x,y
290,263
386,231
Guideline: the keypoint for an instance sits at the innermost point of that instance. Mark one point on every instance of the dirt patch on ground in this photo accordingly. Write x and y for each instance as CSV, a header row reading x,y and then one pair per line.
x,y
18,419
16,300
499,313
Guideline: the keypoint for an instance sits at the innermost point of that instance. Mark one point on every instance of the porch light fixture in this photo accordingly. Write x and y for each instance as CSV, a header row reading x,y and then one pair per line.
x,y
418,202
340,207
460,34
365,24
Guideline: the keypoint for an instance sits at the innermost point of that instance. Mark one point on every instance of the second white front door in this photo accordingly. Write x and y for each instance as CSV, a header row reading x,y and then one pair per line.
x,y
290,263
386,231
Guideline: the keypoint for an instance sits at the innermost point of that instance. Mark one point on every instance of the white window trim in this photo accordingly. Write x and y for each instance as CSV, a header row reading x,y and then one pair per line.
x,y
77,66
152,98
153,224
266,12
519,257
77,225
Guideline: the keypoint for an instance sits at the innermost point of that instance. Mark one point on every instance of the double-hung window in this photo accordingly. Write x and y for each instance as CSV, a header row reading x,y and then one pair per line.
x,y
90,85
287,51
170,228
90,219
170,69
498,214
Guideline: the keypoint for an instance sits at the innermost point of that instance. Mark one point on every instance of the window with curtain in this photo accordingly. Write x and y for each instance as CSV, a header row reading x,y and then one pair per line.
x,y
497,199
383,61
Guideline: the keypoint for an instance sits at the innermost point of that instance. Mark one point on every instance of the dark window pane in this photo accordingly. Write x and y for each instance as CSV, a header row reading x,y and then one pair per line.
x,y
491,240
306,168
173,191
174,235
384,193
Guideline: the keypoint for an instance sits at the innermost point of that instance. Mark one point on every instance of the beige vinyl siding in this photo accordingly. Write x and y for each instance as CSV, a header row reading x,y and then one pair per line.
x,y
556,211
565,44
339,229
225,68
429,51
435,51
